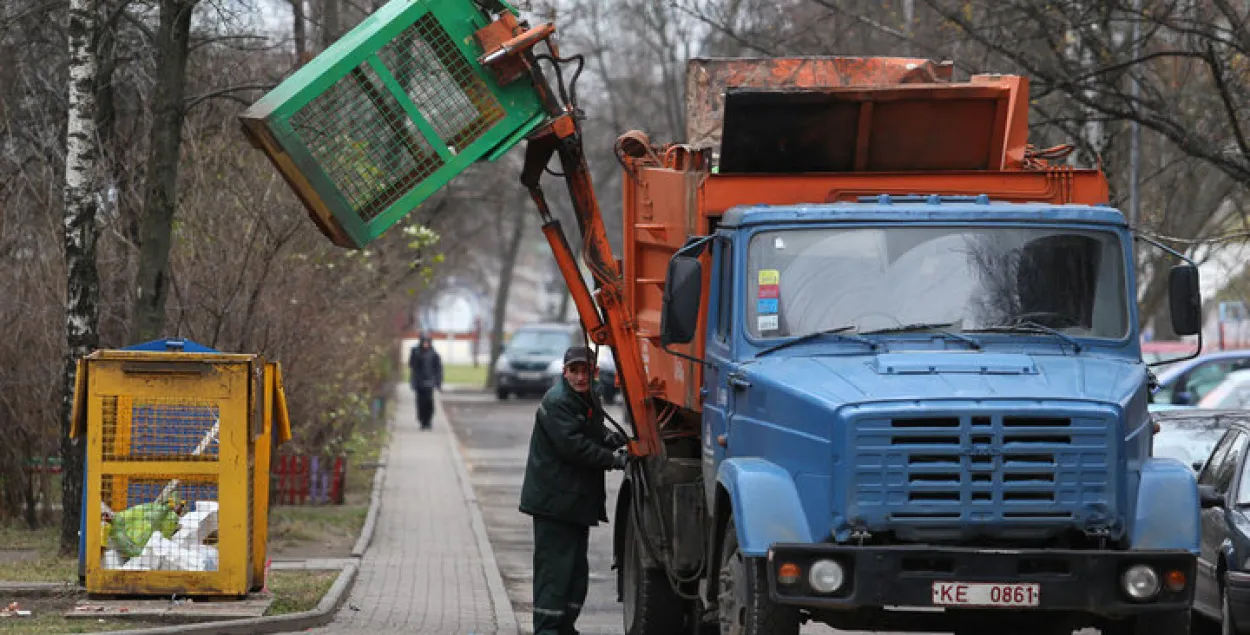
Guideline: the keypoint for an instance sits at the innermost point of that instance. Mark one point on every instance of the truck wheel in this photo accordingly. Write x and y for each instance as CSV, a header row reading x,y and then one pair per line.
x,y
651,606
501,394
742,595
1228,625
1171,622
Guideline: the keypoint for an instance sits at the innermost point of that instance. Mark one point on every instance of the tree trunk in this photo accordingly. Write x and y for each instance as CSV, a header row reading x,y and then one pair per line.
x,y
329,22
161,191
82,311
299,32
506,266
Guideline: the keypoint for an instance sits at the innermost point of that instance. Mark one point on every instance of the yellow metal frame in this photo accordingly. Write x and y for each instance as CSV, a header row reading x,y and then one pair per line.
x,y
245,390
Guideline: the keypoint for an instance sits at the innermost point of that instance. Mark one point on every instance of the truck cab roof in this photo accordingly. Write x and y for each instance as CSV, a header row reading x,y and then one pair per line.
x,y
887,208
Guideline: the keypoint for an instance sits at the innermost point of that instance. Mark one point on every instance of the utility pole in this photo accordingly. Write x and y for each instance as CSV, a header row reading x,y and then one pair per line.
x,y
1134,197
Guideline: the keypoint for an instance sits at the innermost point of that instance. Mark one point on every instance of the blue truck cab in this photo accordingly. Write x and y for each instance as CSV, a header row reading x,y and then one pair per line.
x,y
931,414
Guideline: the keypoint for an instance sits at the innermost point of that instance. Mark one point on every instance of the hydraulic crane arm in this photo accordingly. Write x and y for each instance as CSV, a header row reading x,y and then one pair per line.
x,y
508,48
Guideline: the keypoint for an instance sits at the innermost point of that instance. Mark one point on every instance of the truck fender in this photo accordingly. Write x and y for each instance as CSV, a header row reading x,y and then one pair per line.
x,y
1167,514
764,503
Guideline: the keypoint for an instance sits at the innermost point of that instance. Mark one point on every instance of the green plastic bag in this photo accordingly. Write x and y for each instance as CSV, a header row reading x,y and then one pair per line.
x,y
132,528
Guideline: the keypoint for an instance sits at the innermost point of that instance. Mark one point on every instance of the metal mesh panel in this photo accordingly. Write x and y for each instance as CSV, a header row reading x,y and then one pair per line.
x,y
159,523
364,141
159,429
441,83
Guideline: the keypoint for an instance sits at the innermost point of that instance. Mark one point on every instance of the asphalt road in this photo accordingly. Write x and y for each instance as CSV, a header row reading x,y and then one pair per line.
x,y
494,437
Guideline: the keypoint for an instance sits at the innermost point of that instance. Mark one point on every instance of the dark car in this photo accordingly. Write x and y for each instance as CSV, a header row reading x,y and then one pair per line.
x,y
1222,590
534,358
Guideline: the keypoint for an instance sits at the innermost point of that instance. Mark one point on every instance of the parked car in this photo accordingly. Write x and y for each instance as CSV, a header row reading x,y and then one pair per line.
x,y
1231,394
608,389
1189,435
1186,383
533,360
1222,587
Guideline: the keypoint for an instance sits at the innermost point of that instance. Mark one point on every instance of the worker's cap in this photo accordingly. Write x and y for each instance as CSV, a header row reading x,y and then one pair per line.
x,y
576,354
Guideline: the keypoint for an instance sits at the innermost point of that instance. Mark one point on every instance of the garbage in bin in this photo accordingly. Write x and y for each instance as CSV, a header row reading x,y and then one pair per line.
x,y
132,528
168,543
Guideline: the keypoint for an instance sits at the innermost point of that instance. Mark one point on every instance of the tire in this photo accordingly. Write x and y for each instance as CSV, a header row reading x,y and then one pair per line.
x,y
501,394
742,594
1228,625
650,605
1172,622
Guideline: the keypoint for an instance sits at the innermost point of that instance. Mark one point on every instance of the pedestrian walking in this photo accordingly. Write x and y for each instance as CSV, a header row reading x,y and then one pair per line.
x,y
570,450
426,374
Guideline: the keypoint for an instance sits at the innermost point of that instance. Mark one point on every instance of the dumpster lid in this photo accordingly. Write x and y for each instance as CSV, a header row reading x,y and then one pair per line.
x,y
171,345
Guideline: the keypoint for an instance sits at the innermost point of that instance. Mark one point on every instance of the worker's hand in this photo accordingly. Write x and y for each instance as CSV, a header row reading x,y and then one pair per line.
x,y
614,439
620,458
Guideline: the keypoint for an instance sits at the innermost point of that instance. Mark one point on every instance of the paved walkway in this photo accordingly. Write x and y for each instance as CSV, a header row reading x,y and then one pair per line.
x,y
429,568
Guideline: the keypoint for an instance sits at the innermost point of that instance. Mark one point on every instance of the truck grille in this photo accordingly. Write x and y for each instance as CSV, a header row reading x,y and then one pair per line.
x,y
529,366
981,468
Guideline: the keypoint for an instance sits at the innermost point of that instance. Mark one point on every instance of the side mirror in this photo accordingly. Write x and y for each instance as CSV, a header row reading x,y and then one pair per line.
x,y
1183,398
1185,300
1208,497
683,289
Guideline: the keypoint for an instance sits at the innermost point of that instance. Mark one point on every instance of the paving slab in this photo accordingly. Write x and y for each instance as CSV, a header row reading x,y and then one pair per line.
x,y
429,567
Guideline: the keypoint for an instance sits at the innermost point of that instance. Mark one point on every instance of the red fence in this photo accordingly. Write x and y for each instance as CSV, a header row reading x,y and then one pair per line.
x,y
302,479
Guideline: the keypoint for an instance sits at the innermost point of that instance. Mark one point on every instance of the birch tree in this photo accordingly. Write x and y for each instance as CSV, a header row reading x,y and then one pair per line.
x,y
83,282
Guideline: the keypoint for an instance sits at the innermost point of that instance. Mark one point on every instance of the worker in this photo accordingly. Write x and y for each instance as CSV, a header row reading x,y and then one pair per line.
x,y
426,374
570,449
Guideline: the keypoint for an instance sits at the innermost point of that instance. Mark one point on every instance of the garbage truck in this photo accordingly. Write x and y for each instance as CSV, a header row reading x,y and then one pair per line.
x,y
879,355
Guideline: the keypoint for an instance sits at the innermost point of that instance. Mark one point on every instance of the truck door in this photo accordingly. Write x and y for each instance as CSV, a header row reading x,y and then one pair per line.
x,y
718,398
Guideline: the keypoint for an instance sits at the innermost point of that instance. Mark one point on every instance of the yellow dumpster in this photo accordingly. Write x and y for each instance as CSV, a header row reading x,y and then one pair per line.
x,y
177,476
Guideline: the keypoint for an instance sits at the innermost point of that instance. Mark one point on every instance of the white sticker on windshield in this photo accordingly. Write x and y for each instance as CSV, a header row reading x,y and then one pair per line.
x,y
778,243
768,322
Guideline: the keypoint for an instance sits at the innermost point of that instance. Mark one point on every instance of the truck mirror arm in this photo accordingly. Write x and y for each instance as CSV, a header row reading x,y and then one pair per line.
x,y
1179,256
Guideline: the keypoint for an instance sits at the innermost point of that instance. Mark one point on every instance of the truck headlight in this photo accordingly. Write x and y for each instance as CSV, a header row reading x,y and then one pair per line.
x,y
1140,582
826,576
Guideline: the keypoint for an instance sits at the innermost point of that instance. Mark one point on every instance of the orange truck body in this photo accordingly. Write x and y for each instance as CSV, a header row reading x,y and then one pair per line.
x,y
870,126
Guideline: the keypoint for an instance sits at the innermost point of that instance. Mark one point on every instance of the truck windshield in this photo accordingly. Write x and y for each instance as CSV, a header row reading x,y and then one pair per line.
x,y
958,278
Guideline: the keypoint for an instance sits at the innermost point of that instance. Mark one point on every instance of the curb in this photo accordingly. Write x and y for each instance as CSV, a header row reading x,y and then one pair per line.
x,y
36,589
322,614
375,506
505,616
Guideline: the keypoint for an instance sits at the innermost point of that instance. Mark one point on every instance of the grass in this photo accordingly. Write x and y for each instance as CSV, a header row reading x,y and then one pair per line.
x,y
465,375
298,591
46,565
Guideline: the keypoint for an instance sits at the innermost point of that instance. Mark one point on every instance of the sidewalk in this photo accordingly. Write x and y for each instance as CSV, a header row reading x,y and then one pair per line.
x,y
429,568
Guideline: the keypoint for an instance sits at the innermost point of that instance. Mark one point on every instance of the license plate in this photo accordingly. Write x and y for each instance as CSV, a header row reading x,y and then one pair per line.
x,y
986,594
529,376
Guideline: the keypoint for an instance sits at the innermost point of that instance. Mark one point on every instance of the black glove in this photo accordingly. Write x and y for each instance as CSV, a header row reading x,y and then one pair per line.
x,y
614,439
620,458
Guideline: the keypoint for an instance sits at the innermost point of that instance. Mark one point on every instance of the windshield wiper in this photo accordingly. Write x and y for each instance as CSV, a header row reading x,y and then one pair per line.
x,y
938,328
839,331
1028,326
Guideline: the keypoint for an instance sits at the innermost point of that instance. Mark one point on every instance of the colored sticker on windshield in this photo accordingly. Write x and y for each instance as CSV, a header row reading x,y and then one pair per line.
x,y
769,291
769,276
766,306
768,322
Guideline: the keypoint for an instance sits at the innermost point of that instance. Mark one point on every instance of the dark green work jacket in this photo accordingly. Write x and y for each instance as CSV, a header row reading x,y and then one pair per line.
x,y
567,459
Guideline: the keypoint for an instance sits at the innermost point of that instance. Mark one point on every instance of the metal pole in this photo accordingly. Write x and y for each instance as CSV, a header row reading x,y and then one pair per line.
x,y
1134,198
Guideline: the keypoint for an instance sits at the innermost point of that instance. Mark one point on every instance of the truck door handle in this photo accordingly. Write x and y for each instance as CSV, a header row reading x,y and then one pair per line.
x,y
738,382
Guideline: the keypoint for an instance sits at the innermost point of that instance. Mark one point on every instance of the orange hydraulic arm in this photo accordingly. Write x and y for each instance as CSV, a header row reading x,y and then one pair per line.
x,y
603,314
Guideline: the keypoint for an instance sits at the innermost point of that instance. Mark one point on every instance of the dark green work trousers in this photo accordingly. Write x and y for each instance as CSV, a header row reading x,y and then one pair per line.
x,y
561,575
